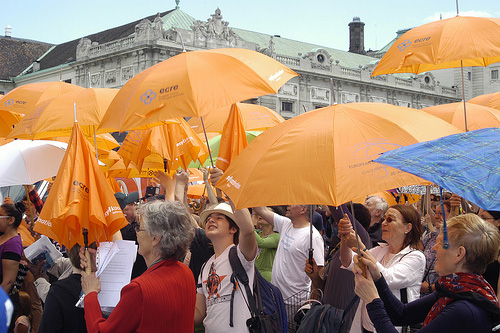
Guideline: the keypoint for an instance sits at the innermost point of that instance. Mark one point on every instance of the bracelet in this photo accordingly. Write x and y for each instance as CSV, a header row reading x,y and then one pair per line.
x,y
430,288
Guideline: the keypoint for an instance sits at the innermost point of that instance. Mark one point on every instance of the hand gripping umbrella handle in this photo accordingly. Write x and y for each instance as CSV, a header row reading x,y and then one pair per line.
x,y
361,264
88,269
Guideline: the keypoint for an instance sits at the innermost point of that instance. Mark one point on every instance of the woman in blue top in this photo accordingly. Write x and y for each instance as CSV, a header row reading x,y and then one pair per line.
x,y
463,300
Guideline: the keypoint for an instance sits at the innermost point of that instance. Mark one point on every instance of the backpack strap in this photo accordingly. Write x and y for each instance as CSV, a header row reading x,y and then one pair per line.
x,y
350,305
239,274
199,285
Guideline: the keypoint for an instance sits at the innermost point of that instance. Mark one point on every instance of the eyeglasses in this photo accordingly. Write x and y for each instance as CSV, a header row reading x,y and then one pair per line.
x,y
137,227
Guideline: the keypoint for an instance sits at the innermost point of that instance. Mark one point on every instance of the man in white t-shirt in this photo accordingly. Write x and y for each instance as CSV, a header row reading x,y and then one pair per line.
x,y
293,250
214,288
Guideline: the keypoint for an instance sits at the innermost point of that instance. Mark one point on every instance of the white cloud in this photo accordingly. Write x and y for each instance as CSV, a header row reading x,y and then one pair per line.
x,y
477,13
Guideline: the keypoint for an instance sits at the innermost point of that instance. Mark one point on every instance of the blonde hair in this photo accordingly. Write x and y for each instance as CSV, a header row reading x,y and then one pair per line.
x,y
480,239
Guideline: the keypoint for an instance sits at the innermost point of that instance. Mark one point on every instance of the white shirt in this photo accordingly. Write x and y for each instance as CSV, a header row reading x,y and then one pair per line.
x,y
293,251
218,293
404,270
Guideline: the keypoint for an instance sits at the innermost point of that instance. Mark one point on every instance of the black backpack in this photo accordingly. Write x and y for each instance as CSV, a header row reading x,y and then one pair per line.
x,y
265,304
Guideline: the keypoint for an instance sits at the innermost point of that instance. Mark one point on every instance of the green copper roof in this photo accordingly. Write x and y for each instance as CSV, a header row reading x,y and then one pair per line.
x,y
292,48
177,19
283,46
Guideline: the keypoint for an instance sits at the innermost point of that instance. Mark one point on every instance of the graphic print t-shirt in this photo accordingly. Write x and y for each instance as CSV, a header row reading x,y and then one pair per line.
x,y
216,286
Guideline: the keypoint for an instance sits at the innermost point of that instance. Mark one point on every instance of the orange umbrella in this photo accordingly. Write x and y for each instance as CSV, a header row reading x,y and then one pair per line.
x,y
175,142
55,117
198,191
195,175
449,43
193,83
254,118
488,100
24,98
233,140
478,116
7,121
105,141
80,198
325,156
119,169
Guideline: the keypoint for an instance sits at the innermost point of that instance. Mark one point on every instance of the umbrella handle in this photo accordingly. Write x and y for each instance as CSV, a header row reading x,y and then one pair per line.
x,y
88,269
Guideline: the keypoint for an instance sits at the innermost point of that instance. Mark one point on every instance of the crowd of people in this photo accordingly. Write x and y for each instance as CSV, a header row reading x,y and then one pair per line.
x,y
395,264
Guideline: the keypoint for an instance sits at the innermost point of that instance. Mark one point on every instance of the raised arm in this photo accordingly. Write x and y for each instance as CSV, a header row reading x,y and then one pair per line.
x,y
266,214
212,198
243,219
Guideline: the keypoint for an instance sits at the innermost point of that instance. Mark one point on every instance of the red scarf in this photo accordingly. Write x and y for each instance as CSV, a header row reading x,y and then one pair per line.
x,y
465,286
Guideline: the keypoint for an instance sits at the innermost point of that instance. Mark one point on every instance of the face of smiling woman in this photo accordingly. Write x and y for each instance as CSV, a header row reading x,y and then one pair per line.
x,y
394,229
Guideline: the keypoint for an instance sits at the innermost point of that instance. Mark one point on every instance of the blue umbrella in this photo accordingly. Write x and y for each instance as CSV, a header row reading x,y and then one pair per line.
x,y
467,164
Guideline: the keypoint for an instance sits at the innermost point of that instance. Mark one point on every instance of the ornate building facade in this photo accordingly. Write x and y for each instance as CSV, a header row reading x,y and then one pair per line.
x,y
110,58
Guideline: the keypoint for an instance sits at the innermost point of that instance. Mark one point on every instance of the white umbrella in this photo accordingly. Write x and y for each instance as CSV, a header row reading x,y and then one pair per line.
x,y
25,162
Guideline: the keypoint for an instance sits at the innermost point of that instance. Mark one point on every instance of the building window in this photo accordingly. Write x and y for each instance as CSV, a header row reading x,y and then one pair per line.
x,y
287,106
494,74
67,81
469,75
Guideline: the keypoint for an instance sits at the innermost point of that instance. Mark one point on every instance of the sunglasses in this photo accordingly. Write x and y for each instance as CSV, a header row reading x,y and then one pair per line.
x,y
389,219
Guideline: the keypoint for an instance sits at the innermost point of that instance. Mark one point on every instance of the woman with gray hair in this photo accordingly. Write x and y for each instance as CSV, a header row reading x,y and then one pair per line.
x,y
163,298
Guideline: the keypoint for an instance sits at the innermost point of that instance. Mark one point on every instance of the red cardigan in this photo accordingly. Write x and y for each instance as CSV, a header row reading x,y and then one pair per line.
x,y
162,299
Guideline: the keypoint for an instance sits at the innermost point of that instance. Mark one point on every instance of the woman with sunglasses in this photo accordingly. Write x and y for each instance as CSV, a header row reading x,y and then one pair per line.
x,y
463,300
398,259
11,251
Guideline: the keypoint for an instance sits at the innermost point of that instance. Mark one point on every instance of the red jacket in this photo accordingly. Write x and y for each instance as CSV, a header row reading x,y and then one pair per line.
x,y
162,299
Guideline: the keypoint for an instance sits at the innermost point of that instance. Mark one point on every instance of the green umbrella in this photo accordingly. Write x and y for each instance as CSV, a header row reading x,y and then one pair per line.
x,y
214,147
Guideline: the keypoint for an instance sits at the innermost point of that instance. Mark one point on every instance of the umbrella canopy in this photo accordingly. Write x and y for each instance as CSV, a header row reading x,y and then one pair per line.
x,y
467,164
25,162
105,141
55,117
24,98
488,100
214,144
7,121
175,142
197,191
254,118
80,198
449,43
324,156
477,116
233,140
193,83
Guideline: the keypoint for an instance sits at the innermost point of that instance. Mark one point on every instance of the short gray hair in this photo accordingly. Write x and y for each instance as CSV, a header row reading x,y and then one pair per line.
x,y
380,203
170,220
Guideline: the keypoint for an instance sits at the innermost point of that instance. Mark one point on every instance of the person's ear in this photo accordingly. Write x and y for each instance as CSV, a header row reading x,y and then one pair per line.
x,y
461,252
408,228
155,239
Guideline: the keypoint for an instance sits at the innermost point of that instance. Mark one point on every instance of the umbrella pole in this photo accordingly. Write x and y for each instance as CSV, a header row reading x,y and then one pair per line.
x,y
446,244
311,250
219,192
463,89
206,139
88,269
30,205
354,224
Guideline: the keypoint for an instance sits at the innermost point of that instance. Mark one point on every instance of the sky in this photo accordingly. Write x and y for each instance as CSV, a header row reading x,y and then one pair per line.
x,y
322,22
